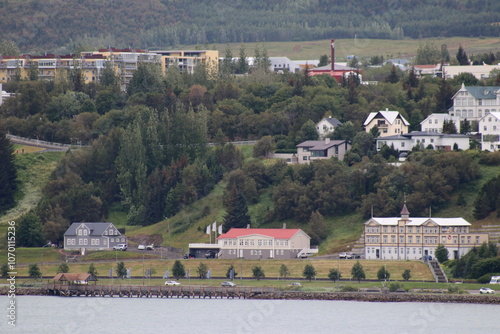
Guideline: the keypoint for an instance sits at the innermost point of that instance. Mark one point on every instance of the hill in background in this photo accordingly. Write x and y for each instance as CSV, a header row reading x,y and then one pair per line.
x,y
43,25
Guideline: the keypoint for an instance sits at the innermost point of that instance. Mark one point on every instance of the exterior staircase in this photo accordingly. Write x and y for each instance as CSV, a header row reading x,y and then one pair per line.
x,y
359,246
437,271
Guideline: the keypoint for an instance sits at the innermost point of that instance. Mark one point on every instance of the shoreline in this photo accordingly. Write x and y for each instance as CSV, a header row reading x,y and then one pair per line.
x,y
387,297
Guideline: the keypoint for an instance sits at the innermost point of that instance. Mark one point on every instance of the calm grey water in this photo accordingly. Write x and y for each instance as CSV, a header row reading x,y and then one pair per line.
x,y
36,314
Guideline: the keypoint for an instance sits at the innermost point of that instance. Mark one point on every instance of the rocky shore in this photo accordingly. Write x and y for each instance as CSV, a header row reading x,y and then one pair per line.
x,y
379,297
347,296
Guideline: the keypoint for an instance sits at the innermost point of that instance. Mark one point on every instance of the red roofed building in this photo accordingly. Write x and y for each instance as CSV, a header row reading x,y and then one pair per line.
x,y
259,243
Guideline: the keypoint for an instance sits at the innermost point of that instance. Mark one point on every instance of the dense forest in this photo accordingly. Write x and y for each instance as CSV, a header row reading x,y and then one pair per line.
x,y
148,147
44,25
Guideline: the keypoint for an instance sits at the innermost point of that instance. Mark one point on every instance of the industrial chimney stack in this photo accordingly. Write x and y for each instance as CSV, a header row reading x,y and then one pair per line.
x,y
332,45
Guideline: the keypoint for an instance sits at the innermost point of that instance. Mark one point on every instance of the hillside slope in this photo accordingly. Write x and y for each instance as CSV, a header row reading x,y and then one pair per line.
x,y
49,24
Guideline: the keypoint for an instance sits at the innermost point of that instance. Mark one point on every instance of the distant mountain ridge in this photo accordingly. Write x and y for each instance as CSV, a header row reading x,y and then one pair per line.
x,y
46,25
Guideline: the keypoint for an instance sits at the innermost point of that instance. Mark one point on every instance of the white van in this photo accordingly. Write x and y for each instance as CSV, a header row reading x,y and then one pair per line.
x,y
495,280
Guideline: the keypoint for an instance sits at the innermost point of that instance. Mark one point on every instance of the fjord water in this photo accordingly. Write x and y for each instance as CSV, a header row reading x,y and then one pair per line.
x,y
40,314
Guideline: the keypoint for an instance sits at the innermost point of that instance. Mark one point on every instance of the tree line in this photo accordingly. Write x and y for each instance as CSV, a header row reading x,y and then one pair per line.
x,y
77,24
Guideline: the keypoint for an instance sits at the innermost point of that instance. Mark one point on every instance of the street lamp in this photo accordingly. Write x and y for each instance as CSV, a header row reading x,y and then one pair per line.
x,y
41,272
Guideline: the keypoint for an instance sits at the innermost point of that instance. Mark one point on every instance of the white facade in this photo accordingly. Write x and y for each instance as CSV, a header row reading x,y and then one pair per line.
x,y
474,102
480,72
388,122
327,126
489,127
434,122
439,141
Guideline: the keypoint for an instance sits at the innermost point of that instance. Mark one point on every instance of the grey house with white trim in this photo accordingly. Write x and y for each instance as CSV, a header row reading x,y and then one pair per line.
x,y
92,236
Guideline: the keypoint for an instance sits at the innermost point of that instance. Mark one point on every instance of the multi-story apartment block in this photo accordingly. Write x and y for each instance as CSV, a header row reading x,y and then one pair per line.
x,y
187,60
474,102
405,238
489,126
388,122
124,61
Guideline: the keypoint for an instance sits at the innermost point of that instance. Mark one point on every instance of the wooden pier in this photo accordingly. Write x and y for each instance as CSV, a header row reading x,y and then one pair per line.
x,y
130,291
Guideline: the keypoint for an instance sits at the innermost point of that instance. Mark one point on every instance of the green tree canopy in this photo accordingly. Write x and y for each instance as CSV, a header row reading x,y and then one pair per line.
x,y
357,272
309,272
178,270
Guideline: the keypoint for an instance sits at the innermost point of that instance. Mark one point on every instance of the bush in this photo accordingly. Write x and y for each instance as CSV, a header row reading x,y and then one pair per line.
x,y
349,288
485,279
393,286
454,289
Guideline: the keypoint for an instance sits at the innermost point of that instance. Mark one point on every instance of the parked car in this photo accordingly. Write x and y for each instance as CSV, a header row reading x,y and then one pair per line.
x,y
189,256
141,247
486,290
150,247
228,284
345,255
172,283
210,255
296,284
120,247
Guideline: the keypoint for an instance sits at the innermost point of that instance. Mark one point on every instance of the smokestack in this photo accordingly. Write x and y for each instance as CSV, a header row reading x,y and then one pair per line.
x,y
332,44
248,225
284,226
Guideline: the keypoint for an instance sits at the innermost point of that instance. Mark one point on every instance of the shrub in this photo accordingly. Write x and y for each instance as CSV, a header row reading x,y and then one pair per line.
x,y
393,286
349,288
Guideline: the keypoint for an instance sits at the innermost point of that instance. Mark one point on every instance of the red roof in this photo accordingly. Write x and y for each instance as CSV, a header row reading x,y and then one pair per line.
x,y
277,233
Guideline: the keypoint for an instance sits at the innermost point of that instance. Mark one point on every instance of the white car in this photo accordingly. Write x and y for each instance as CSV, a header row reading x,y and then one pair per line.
x,y
486,290
345,256
121,247
172,283
228,284
141,247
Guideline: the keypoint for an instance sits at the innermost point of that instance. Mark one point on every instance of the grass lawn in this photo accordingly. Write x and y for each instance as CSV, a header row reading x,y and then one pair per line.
x,y
365,48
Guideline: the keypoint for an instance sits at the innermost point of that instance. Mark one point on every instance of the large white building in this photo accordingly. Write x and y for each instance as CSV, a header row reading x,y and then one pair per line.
x,y
435,122
405,238
479,71
438,141
474,102
489,127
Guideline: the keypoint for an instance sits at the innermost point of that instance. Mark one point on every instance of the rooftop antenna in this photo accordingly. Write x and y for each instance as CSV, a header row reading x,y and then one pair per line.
x,y
430,211
372,211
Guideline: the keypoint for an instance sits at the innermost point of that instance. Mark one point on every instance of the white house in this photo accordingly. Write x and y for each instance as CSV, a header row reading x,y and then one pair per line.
x,y
311,150
413,238
479,71
439,141
327,126
388,122
489,127
474,102
434,122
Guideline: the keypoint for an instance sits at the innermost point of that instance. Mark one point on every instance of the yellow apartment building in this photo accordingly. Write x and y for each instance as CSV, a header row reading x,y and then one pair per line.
x,y
187,60
405,238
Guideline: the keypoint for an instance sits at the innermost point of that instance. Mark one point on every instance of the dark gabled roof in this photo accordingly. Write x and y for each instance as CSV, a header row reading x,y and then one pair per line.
x,y
95,228
71,277
421,134
333,121
320,145
479,92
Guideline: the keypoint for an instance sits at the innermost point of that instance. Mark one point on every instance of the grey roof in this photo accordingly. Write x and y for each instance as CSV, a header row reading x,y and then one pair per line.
x,y
422,134
95,228
333,121
320,145
434,134
478,92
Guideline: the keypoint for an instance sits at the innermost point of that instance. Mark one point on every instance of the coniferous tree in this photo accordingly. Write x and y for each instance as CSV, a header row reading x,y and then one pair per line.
x,y
358,272
242,65
29,232
8,174
236,210
309,272
178,270
462,56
